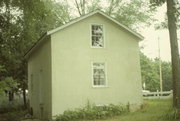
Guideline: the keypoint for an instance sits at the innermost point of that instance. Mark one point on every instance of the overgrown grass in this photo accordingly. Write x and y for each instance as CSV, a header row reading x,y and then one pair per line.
x,y
7,106
11,111
13,116
11,108
153,110
90,112
172,114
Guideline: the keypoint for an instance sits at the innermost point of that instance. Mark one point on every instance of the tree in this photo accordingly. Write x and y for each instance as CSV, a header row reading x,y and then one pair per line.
x,y
22,22
86,6
150,73
80,6
130,13
8,85
11,49
166,76
172,15
174,52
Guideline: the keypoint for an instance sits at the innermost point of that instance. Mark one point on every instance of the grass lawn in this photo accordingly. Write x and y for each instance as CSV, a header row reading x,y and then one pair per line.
x,y
154,110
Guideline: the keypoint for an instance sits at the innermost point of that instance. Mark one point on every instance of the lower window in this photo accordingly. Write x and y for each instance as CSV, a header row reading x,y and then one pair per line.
x,y
99,75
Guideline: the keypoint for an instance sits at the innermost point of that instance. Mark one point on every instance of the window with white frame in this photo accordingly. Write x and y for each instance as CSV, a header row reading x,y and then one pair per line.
x,y
99,75
97,37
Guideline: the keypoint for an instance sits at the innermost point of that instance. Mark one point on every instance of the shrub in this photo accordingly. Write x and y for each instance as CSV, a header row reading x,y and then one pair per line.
x,y
91,112
13,116
6,107
172,114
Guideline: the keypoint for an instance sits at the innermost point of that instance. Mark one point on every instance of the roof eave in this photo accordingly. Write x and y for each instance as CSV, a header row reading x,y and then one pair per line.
x,y
123,26
70,23
140,37
35,45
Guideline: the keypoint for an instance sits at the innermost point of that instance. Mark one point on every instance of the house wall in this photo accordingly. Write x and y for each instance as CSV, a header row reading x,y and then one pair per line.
x,y
72,57
39,73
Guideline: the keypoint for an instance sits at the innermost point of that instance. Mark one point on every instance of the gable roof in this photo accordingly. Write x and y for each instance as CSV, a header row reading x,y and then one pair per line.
x,y
90,14
140,37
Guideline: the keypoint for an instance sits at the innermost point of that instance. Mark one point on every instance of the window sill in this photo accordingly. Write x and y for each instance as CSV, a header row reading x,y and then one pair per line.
x,y
100,86
97,47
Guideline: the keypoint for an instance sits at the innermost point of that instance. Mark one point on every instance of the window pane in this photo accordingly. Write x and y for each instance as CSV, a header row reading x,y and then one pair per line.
x,y
99,77
97,36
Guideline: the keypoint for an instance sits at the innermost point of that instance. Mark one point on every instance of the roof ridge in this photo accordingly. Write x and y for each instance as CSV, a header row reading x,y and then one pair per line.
x,y
90,14
79,19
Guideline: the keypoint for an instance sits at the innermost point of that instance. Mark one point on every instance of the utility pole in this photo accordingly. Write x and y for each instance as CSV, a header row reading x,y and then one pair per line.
x,y
160,67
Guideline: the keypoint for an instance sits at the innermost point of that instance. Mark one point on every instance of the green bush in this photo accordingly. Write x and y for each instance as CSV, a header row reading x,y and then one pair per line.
x,y
173,114
13,116
6,107
90,112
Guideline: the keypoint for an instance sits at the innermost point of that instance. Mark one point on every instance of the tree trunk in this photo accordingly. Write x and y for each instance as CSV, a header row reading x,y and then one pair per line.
x,y
78,7
83,7
111,7
11,96
174,53
24,97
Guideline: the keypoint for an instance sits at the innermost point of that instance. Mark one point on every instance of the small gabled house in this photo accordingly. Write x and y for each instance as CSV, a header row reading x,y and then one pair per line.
x,y
92,58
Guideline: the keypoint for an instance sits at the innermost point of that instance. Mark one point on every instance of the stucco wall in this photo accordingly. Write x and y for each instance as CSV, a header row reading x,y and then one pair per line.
x,y
72,58
39,72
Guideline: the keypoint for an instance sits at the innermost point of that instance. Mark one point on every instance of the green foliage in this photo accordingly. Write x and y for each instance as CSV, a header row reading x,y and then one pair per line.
x,y
150,73
153,110
90,112
134,14
2,69
13,116
22,22
6,107
131,13
157,2
164,24
167,76
94,5
8,84
172,114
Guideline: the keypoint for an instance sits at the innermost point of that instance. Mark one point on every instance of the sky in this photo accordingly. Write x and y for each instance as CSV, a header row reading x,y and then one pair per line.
x,y
150,43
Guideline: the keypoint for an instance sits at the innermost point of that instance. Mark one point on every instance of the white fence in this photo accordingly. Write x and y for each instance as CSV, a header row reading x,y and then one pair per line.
x,y
157,95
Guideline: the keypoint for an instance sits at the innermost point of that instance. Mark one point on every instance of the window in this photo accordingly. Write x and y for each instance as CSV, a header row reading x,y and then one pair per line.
x,y
97,39
99,76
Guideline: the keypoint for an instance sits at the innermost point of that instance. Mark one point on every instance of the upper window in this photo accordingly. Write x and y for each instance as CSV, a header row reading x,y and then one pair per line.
x,y
97,37
99,76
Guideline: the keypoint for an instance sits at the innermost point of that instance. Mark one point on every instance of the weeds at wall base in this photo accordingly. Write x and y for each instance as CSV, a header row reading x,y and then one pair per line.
x,y
91,112
173,114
